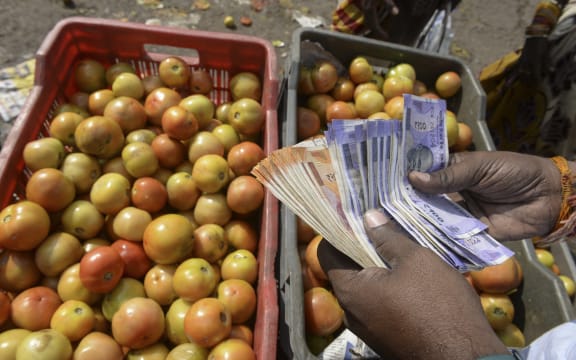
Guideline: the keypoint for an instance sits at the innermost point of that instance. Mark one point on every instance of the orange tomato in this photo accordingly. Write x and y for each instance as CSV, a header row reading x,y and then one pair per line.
x,y
245,194
207,322
239,297
340,110
33,308
148,194
343,90
210,242
240,264
448,84
360,70
305,232
310,280
168,239
319,103
311,258
242,332
23,225
241,235
169,152
51,189
18,270
179,123
322,312
99,136
136,263
498,279
307,122
200,81
464,139
232,349
243,156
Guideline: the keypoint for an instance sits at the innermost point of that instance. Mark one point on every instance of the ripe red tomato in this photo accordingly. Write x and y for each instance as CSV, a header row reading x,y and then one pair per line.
x,y
136,263
101,269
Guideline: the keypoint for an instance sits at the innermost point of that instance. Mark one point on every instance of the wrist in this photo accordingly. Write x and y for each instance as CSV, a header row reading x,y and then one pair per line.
x,y
566,223
477,343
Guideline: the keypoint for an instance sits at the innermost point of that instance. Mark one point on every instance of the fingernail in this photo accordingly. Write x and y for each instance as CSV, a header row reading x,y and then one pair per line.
x,y
374,218
395,10
421,176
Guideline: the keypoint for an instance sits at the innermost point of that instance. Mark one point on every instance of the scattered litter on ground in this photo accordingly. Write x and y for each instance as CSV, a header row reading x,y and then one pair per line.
x,y
229,22
278,43
156,22
460,52
257,5
157,4
308,20
246,21
16,82
201,4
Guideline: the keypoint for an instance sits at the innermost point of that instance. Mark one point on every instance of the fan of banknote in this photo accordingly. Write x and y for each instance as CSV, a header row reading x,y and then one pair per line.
x,y
332,179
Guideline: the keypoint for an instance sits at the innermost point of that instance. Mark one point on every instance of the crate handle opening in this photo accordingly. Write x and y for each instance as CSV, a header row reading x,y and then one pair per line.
x,y
158,53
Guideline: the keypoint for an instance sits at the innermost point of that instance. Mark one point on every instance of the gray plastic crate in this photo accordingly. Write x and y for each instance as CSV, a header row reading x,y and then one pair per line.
x,y
542,301
468,105
564,258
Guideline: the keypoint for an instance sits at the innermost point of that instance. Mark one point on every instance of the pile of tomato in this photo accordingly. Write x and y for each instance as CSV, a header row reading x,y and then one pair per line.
x,y
137,234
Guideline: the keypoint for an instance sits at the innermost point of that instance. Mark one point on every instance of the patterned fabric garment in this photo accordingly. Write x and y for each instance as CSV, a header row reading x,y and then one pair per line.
x,y
558,125
348,17
530,92
424,24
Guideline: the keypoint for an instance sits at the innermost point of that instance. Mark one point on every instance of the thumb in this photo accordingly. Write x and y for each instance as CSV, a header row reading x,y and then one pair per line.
x,y
459,175
389,239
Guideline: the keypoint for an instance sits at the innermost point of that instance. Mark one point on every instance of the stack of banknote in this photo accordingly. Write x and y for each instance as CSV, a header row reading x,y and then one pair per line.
x,y
332,179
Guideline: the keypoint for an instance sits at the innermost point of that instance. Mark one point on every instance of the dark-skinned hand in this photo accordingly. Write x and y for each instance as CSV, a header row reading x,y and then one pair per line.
x,y
517,195
420,308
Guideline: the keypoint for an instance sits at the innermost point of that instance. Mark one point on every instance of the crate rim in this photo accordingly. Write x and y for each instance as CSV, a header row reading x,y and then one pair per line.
x,y
60,27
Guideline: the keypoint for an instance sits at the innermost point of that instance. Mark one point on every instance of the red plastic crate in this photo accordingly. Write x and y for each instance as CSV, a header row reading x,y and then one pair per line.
x,y
110,41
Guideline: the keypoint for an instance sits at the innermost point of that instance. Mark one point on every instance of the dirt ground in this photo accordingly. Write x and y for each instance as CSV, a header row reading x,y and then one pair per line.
x,y
483,31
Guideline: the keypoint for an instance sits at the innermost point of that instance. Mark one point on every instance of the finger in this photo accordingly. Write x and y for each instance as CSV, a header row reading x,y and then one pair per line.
x,y
462,173
475,209
389,239
331,259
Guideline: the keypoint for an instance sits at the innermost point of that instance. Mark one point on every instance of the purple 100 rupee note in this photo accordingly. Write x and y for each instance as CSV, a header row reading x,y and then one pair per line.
x,y
425,148
424,134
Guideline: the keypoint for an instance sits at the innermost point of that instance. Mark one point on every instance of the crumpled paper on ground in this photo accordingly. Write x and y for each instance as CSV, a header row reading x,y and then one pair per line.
x,y
16,82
